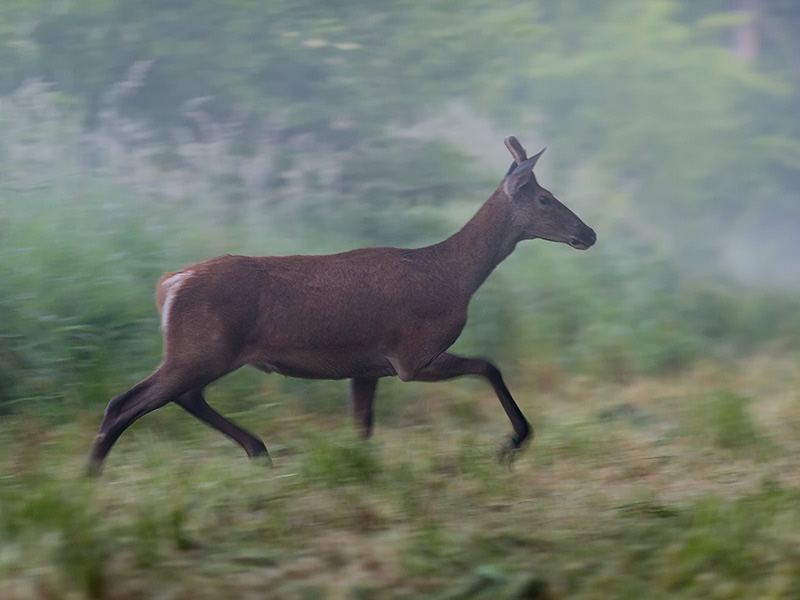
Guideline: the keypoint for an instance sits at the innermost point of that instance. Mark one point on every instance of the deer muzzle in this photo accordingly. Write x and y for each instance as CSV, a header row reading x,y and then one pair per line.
x,y
584,240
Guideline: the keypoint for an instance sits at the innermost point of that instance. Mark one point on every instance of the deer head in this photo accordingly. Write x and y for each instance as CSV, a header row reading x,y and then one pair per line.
x,y
536,211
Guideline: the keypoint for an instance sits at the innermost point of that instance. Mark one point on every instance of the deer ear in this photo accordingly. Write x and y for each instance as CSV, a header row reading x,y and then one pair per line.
x,y
535,157
516,149
520,176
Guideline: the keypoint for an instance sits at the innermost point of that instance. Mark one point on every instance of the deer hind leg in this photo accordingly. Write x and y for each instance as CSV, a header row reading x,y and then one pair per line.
x,y
194,403
448,366
362,397
160,388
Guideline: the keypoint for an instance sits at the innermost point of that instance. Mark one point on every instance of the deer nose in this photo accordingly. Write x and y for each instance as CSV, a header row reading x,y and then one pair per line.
x,y
586,239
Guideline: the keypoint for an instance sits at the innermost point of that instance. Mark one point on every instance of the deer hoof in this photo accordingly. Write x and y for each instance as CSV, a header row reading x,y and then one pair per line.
x,y
94,468
262,460
510,451
508,456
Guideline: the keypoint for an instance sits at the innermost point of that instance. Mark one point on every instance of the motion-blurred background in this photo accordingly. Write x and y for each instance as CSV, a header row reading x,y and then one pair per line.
x,y
138,136
142,136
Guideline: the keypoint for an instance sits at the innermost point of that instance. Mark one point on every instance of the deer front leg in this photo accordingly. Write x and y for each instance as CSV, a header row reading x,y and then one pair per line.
x,y
362,396
448,366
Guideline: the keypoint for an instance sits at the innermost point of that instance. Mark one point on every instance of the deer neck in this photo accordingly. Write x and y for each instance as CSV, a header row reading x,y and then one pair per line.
x,y
473,252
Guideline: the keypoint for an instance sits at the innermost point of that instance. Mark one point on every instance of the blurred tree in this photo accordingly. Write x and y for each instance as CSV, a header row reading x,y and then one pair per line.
x,y
321,82
649,91
649,98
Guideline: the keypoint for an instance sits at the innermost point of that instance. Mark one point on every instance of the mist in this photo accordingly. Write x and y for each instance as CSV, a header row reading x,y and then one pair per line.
x,y
141,137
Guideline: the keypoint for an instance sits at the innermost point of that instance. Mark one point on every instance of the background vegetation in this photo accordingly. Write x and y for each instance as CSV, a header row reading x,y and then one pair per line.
x,y
140,136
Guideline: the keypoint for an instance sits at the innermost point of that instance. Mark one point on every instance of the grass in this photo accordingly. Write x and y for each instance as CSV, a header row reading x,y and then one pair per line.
x,y
653,474
724,417
648,488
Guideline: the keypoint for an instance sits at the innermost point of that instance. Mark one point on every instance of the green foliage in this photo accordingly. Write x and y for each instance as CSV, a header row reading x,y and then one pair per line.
x,y
725,419
63,297
723,540
39,507
649,92
337,462
391,191
657,101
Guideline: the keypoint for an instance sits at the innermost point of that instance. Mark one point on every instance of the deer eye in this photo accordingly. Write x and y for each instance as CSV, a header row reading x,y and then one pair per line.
x,y
545,199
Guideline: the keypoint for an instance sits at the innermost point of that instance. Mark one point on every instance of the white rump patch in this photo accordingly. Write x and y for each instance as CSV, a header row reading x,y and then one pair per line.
x,y
171,287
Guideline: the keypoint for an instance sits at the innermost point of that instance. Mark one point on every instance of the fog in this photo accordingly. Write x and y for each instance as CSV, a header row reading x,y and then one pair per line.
x,y
140,139
658,367
187,132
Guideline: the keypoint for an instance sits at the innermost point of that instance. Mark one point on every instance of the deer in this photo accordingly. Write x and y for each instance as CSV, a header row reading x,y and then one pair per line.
x,y
360,315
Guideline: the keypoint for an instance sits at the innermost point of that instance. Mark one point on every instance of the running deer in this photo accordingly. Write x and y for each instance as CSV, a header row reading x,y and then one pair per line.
x,y
358,315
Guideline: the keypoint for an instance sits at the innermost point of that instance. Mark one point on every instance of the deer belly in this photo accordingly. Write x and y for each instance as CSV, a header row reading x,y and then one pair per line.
x,y
311,365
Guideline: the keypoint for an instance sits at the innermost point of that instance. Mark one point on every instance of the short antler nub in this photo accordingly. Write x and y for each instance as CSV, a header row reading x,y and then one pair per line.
x,y
516,149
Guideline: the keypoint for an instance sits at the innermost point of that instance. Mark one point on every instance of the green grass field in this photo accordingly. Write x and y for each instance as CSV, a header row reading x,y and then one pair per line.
x,y
687,487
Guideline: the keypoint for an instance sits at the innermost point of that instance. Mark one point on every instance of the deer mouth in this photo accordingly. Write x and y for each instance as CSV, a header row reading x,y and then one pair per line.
x,y
584,241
